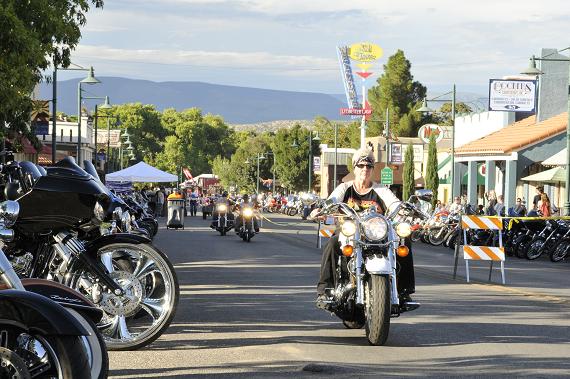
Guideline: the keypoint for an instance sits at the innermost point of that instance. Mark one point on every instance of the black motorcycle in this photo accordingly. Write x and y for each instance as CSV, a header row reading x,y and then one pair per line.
x,y
246,226
59,237
546,239
224,222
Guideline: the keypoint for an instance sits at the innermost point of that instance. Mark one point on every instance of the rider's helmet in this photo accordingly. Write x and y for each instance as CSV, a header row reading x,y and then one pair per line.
x,y
245,198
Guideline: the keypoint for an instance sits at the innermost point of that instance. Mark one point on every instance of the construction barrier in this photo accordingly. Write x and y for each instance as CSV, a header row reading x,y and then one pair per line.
x,y
323,232
481,253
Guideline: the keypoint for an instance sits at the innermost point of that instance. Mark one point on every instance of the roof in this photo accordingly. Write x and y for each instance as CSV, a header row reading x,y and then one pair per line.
x,y
516,136
558,159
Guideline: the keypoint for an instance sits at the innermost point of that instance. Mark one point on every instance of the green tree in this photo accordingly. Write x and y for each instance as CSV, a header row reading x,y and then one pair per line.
x,y
408,175
348,132
444,115
432,178
397,91
32,35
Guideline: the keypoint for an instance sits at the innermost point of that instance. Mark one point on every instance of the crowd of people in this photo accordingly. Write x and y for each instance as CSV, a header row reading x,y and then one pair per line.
x,y
495,206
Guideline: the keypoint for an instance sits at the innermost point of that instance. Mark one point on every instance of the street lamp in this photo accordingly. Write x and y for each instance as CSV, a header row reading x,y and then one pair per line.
x,y
532,70
89,80
425,109
106,105
311,138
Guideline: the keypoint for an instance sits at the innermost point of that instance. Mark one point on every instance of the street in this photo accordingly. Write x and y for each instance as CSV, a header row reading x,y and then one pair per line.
x,y
247,310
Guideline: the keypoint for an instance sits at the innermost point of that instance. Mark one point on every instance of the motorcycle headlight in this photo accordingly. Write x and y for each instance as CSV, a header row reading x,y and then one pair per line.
x,y
126,221
247,212
375,228
222,208
99,212
403,229
348,228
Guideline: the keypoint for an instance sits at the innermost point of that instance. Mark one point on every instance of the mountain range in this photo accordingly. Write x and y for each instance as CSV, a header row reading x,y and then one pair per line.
x,y
237,105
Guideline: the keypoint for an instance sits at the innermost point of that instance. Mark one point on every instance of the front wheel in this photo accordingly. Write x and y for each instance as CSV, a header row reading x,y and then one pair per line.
x,y
150,295
535,250
416,234
377,292
437,236
560,252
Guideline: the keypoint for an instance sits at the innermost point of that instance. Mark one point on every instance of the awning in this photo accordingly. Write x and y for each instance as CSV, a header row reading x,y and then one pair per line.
x,y
554,175
141,172
558,159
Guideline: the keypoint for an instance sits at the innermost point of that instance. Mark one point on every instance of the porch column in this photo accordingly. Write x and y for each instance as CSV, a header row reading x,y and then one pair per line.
x,y
490,175
472,183
457,175
510,184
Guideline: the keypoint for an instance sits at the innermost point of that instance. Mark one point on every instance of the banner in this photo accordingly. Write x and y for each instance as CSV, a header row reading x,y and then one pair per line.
x,y
102,137
187,173
512,95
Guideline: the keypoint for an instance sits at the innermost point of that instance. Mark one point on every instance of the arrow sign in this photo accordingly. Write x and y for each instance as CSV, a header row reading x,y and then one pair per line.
x,y
364,75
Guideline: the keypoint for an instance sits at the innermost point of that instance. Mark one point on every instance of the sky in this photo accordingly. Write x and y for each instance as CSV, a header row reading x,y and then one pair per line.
x,y
291,44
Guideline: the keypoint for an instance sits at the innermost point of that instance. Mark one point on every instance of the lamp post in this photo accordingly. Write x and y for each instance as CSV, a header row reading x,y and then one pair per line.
x,y
311,138
425,109
532,70
106,105
89,80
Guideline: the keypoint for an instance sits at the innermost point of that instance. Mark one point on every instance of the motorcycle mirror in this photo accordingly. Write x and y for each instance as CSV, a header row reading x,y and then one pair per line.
x,y
424,194
9,211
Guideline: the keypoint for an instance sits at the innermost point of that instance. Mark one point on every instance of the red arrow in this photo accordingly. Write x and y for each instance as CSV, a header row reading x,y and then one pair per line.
x,y
364,75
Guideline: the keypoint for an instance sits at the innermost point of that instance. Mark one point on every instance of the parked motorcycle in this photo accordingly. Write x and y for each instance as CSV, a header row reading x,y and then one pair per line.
x,y
26,307
366,292
546,239
59,237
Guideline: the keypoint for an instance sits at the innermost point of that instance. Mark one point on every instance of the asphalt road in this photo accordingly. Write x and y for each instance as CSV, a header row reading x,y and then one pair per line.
x,y
247,310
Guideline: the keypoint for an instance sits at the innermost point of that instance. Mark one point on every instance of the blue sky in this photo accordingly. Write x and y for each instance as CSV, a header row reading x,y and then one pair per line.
x,y
290,44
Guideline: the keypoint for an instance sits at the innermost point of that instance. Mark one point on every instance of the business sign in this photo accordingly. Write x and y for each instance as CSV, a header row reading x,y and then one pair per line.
x,y
398,152
386,176
317,164
427,130
512,95
355,111
103,137
365,52
40,127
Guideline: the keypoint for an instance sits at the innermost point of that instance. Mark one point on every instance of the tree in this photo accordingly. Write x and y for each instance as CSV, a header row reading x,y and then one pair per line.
x,y
444,114
397,91
348,132
432,178
33,35
408,175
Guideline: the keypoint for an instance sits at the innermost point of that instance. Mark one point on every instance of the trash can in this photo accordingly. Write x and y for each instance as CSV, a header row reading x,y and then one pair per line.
x,y
175,214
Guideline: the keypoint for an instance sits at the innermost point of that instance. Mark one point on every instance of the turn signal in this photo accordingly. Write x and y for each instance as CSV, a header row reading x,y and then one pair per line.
x,y
403,251
347,250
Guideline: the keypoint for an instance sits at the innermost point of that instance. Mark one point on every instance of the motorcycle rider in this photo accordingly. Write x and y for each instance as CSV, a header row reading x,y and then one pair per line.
x,y
245,202
360,194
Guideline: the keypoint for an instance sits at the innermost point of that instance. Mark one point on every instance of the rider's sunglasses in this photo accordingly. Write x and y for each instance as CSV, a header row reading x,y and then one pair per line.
x,y
365,165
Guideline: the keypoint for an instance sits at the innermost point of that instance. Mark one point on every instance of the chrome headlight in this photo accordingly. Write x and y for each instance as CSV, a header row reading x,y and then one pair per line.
x,y
247,212
99,212
403,229
375,228
348,228
222,208
126,221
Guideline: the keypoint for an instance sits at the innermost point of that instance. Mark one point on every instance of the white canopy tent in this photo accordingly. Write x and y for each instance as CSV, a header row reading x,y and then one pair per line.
x,y
141,172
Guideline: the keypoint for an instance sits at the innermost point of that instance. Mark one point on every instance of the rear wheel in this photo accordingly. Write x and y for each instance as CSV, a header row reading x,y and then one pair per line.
x,y
416,234
560,252
535,249
436,236
377,292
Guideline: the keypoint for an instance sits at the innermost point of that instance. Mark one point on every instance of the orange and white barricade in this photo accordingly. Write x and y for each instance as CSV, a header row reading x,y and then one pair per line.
x,y
325,232
481,253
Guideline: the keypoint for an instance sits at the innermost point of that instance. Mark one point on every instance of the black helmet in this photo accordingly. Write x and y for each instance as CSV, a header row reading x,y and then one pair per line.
x,y
225,194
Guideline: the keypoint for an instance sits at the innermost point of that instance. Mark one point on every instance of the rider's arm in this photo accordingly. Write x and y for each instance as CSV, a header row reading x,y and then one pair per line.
x,y
390,200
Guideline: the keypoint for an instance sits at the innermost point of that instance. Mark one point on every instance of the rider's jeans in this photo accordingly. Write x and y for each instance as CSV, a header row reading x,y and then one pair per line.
x,y
331,252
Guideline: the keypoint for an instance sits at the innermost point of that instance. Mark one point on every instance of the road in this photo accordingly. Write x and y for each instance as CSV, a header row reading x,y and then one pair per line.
x,y
247,310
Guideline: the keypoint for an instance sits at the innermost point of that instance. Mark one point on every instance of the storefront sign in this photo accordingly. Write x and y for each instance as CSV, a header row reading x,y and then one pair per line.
x,y
365,52
355,112
398,152
317,164
512,95
426,131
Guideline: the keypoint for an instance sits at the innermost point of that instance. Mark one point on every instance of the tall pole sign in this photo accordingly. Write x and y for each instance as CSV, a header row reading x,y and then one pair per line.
x,y
364,53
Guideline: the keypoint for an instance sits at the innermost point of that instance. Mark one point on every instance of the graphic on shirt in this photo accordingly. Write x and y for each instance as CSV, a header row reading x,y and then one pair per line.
x,y
360,202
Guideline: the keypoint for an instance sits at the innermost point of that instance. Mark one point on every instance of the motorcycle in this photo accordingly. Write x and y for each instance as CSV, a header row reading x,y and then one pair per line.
x,y
366,291
30,306
246,230
59,236
223,224
546,239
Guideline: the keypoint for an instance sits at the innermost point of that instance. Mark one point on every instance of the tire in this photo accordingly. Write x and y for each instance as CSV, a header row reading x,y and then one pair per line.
x,y
352,324
248,237
377,309
436,236
416,234
424,237
65,353
203,216
560,252
12,365
151,299
535,250
98,356
293,212
521,246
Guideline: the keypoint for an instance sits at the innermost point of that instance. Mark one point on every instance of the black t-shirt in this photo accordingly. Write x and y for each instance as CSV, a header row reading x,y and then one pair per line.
x,y
360,202
536,200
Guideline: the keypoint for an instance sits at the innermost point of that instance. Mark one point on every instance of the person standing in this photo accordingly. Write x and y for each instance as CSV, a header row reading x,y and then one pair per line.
x,y
544,205
159,202
500,206
537,197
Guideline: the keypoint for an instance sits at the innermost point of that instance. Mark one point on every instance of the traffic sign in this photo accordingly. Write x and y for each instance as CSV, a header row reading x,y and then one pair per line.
x,y
386,176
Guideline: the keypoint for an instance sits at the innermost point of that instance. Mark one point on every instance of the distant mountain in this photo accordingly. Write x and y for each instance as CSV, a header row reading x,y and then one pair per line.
x,y
237,105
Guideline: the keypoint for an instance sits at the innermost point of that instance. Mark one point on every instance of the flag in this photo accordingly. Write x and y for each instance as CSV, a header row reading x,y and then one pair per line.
x,y
187,173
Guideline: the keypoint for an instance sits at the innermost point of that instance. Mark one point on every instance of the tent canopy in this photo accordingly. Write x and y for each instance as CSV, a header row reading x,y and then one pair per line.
x,y
554,175
141,172
558,159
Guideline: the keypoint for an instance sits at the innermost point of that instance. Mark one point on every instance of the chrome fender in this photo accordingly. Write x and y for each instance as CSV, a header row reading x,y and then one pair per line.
x,y
378,265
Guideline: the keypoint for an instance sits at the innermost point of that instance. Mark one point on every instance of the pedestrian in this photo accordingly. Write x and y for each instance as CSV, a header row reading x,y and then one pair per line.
x,y
456,206
544,205
537,197
500,206
159,202
193,202
491,197
519,209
